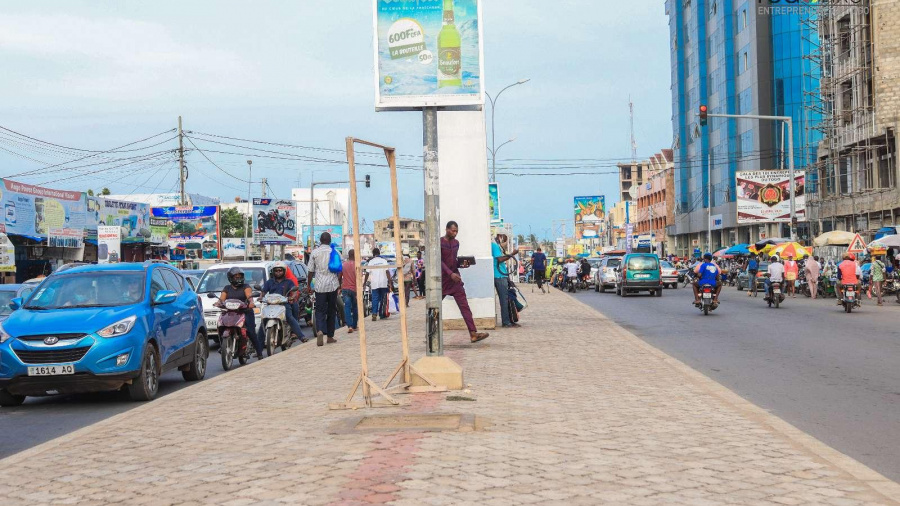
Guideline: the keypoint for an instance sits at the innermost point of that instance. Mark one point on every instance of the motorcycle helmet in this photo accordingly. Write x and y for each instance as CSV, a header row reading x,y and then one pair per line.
x,y
236,276
278,265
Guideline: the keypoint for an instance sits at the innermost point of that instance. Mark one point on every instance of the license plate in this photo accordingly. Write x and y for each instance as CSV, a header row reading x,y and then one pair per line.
x,y
641,276
776,291
707,295
212,323
51,370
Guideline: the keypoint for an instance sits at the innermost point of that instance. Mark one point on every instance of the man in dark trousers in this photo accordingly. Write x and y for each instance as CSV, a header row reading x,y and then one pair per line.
x,y
539,266
451,281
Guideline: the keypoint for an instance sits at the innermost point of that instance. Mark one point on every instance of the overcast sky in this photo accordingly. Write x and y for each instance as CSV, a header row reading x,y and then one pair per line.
x,y
96,75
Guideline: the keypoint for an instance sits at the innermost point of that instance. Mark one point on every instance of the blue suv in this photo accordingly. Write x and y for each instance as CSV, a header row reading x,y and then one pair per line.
x,y
102,327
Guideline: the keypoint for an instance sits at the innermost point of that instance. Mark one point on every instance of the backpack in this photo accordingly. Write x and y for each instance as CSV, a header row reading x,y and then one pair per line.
x,y
334,261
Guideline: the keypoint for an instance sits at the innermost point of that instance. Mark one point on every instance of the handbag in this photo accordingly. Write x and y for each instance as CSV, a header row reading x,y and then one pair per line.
x,y
334,261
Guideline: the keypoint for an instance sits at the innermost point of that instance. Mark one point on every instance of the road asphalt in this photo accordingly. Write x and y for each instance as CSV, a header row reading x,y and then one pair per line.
x,y
831,374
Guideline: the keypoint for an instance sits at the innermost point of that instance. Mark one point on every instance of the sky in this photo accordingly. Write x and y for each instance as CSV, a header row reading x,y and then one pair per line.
x,y
99,75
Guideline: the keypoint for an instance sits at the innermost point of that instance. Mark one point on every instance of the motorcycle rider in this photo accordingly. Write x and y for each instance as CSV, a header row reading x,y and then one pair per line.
x,y
279,283
848,273
776,273
571,272
708,273
238,290
585,269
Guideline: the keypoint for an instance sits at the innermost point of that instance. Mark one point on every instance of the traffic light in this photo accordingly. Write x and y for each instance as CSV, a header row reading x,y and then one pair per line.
x,y
368,181
703,112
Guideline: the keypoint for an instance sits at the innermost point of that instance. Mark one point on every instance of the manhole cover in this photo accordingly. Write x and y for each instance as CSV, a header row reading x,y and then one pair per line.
x,y
426,422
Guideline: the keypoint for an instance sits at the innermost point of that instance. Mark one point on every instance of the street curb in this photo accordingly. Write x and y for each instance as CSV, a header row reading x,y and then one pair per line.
x,y
56,442
886,487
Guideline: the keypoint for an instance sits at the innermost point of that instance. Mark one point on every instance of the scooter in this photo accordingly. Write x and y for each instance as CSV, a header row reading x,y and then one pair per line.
x,y
707,299
850,297
775,295
274,321
233,340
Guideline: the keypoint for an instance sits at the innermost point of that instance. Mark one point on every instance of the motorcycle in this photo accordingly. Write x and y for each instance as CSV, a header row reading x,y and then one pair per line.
x,y
233,339
891,285
274,321
274,221
850,297
775,295
707,299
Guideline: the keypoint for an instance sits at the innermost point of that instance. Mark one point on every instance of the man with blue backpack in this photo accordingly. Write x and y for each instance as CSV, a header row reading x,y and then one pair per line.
x,y
323,274
752,271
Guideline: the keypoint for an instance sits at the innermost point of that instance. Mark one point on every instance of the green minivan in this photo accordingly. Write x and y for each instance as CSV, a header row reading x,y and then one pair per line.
x,y
639,272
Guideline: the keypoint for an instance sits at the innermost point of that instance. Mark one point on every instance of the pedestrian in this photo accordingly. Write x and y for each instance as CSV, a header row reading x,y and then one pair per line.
x,y
539,265
326,286
501,276
812,275
878,270
451,281
420,275
348,291
378,282
409,266
791,271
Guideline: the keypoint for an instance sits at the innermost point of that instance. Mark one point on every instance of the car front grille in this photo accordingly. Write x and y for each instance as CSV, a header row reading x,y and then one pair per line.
x,y
211,312
52,356
41,337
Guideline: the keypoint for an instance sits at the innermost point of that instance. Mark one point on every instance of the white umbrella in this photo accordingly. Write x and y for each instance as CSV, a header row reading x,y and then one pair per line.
x,y
834,238
888,241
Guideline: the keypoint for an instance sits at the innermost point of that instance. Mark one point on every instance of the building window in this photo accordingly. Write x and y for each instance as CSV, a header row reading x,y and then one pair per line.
x,y
743,19
847,102
715,9
844,38
746,61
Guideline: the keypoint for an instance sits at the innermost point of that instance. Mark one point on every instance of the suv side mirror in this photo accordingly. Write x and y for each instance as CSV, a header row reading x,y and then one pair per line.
x,y
165,297
15,303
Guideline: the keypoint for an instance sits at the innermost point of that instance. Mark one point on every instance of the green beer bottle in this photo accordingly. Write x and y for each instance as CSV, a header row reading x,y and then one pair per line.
x,y
449,55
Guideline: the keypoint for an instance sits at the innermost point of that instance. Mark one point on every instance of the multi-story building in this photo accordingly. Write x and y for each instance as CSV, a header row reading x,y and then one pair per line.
x,y
332,207
617,218
654,211
859,104
737,58
412,233
631,174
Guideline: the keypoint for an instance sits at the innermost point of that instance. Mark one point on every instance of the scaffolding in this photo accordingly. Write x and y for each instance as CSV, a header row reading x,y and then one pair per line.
x,y
854,160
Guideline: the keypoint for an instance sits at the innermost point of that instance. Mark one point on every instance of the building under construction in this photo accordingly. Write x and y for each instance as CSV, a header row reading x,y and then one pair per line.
x,y
853,183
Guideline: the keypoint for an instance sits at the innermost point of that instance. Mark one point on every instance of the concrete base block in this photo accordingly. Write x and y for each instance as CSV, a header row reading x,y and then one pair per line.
x,y
480,323
441,370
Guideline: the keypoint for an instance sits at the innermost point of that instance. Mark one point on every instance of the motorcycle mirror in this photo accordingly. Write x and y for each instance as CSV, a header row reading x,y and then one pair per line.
x,y
255,294
211,295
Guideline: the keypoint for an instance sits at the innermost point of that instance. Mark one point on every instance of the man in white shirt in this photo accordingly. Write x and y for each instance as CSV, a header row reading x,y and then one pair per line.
x,y
571,273
378,282
776,273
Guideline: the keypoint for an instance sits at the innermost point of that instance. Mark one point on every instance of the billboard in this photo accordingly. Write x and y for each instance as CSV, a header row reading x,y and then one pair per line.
x,y
336,231
494,202
274,221
428,53
366,244
109,244
589,215
133,217
764,196
233,248
66,238
7,254
33,210
193,231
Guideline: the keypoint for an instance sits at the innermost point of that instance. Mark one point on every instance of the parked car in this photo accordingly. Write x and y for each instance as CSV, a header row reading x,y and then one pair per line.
x,y
102,327
10,292
670,275
743,282
595,266
605,277
639,272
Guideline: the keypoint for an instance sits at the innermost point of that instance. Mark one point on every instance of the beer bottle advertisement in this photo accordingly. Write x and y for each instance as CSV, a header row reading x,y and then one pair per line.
x,y
428,53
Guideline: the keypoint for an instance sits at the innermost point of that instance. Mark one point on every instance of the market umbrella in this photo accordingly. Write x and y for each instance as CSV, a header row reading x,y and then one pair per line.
x,y
738,249
719,253
791,249
834,238
765,246
888,241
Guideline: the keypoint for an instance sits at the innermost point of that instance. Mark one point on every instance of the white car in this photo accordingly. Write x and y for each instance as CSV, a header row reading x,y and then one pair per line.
x,y
669,274
606,273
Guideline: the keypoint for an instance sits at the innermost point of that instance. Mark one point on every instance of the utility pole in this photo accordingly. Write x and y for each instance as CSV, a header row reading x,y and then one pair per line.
x,y
631,121
249,211
181,177
434,338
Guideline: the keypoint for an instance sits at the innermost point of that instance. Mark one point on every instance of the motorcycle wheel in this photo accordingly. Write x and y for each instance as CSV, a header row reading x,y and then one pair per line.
x,y
271,337
243,358
777,302
226,350
705,310
279,228
290,224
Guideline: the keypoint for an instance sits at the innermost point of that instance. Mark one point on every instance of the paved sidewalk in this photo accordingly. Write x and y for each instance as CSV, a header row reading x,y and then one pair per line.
x,y
580,411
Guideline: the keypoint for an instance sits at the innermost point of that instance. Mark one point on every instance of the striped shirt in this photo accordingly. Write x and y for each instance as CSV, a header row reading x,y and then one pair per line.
x,y
325,280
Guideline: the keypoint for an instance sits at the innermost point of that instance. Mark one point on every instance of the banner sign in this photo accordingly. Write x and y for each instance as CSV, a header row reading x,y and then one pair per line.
x,y
366,244
560,247
629,232
273,222
32,210
428,53
193,231
494,201
7,255
159,230
589,215
764,196
336,231
109,244
66,238
133,217
233,248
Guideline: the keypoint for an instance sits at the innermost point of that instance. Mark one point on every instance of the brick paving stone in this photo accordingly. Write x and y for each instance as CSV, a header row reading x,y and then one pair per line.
x,y
589,416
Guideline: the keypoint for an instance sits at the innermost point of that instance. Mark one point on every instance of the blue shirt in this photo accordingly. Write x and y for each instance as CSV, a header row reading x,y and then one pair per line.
x,y
540,261
280,287
499,267
708,273
752,265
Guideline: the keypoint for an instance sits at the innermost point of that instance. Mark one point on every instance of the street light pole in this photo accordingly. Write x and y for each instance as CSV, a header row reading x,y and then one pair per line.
x,y
494,147
249,210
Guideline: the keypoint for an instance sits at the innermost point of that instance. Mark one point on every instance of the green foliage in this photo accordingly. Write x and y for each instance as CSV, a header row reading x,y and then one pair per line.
x,y
232,223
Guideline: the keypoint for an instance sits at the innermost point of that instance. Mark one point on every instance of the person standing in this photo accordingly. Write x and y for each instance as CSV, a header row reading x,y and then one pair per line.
x,y
378,282
878,270
326,285
791,271
451,281
501,277
409,266
813,270
420,275
348,291
538,266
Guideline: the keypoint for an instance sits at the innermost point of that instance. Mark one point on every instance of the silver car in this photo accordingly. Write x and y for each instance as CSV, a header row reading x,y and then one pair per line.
x,y
605,276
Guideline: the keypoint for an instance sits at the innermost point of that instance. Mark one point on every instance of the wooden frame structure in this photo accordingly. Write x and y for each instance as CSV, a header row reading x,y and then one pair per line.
x,y
363,380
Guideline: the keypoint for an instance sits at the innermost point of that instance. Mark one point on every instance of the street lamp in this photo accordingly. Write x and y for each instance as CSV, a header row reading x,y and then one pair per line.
x,y
249,210
494,147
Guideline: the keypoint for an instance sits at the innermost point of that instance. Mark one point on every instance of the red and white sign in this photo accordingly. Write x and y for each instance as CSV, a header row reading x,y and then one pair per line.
x,y
857,245
763,196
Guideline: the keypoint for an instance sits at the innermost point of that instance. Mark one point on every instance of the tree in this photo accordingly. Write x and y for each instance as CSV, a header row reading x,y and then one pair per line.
x,y
232,223
520,238
532,239
90,193
105,191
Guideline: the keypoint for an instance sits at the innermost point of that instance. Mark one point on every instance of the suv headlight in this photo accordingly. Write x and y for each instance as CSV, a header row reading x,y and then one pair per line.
x,y
3,335
120,328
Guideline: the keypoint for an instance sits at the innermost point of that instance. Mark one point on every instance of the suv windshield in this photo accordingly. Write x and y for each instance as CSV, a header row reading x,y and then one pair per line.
x,y
643,263
214,280
89,289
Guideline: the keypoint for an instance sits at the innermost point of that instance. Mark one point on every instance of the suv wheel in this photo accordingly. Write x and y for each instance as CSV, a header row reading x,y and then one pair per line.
x,y
197,368
8,400
145,386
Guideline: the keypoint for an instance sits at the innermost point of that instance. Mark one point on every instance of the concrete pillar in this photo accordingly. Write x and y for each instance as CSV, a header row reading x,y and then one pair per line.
x,y
464,199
